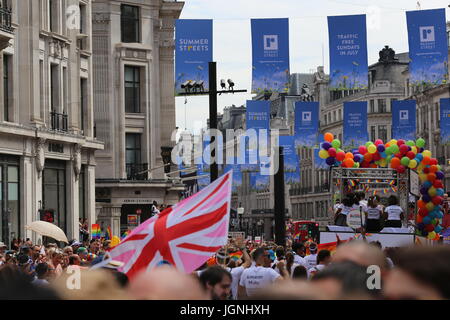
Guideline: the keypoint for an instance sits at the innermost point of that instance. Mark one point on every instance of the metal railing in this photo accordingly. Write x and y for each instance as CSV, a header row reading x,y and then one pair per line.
x,y
137,171
58,121
5,20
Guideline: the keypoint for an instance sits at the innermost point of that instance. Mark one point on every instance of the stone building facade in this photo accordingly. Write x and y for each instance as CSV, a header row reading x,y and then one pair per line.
x,y
47,138
133,52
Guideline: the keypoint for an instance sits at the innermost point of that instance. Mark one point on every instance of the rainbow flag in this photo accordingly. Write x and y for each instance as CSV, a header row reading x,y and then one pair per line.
x,y
236,255
352,183
125,234
96,232
108,233
392,182
394,189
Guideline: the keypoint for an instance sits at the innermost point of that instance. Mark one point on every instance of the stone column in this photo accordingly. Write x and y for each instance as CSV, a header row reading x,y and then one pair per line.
x,y
72,202
90,194
28,188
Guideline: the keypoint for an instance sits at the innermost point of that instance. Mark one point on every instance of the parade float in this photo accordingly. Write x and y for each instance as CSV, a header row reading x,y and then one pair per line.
x,y
398,167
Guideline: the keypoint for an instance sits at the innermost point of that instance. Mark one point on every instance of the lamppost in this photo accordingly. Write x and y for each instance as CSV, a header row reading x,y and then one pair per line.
x,y
212,107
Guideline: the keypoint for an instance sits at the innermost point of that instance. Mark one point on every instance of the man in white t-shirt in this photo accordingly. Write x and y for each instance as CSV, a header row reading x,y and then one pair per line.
x,y
311,260
259,277
299,250
323,259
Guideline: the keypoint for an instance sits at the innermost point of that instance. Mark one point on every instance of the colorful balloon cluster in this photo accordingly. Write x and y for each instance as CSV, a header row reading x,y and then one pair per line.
x,y
399,155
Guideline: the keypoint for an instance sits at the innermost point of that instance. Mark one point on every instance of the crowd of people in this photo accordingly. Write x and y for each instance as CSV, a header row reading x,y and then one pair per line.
x,y
239,271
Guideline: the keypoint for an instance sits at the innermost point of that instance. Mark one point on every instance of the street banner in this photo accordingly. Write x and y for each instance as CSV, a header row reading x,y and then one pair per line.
x,y
185,235
257,118
445,121
428,46
291,161
348,52
259,182
270,48
319,163
355,124
404,119
203,169
306,123
193,52
237,175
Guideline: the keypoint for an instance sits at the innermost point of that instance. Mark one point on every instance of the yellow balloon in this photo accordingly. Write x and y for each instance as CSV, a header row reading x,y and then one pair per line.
x,y
426,153
323,154
432,191
431,235
393,141
412,164
420,167
383,163
372,148
423,177
430,206
414,149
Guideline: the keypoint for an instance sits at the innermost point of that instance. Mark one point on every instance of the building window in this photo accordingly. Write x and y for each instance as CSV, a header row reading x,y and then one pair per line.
x,y
382,106
6,87
83,102
372,133
372,106
382,133
130,23
133,148
132,89
9,199
54,186
54,15
334,115
83,20
54,87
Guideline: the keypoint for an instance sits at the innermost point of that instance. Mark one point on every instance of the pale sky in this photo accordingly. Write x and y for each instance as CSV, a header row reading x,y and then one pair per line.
x,y
308,32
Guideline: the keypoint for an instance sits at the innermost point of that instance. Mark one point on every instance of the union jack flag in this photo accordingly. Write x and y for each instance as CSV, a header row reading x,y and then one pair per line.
x,y
185,235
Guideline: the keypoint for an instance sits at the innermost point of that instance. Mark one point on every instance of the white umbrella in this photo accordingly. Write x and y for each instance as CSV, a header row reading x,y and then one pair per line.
x,y
48,229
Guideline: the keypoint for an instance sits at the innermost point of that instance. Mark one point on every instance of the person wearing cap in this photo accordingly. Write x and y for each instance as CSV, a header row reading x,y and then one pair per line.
x,y
311,259
3,248
82,252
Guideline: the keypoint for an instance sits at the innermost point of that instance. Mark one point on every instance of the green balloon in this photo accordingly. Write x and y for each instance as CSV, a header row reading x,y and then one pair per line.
x,y
336,143
420,143
405,161
395,149
410,143
369,143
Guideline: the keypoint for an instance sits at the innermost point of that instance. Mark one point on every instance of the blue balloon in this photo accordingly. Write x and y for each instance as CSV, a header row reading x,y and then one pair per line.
x,y
383,154
427,220
440,192
330,161
326,145
357,157
424,191
438,229
426,198
421,226
424,233
419,157
440,175
381,148
440,215
431,215
427,184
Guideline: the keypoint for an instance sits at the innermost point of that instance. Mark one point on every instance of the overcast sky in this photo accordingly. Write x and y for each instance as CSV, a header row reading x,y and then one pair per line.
x,y
308,31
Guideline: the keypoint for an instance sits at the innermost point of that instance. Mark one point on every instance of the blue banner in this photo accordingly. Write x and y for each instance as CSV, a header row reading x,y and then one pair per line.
x,y
306,123
355,124
193,52
270,48
318,162
204,181
404,119
348,52
445,121
428,47
258,182
291,163
237,175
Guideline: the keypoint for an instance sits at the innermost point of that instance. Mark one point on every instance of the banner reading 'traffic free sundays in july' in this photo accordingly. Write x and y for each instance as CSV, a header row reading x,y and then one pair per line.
x,y
404,119
193,52
270,52
291,163
428,47
348,52
355,124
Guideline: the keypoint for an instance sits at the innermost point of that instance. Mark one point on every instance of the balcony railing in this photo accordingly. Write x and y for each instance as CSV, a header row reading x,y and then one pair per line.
x,y
5,20
137,171
59,122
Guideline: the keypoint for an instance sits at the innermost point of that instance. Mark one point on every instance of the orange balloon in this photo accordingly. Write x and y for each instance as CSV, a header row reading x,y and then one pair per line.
x,y
349,155
426,160
395,163
329,137
419,218
387,145
433,169
431,177
349,163
368,157
421,204
373,165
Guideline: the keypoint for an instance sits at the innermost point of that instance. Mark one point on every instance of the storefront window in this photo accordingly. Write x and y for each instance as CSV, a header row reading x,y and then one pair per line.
x,y
9,199
54,185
